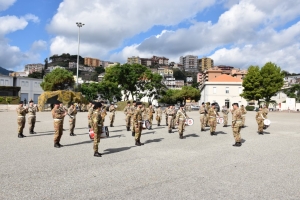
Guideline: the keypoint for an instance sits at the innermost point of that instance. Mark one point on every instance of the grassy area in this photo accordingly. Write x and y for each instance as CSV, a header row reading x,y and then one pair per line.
x,y
15,100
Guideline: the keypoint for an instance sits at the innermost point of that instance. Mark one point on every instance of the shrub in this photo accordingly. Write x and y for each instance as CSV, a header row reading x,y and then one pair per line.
x,y
8,100
250,108
1,99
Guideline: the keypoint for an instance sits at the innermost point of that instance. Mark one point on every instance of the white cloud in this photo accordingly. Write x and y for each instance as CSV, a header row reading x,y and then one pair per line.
x,y
10,24
38,45
4,4
31,17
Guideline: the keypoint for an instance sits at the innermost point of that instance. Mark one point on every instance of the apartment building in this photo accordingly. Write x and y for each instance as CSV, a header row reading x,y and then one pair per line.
x,y
134,59
189,62
205,63
30,68
92,62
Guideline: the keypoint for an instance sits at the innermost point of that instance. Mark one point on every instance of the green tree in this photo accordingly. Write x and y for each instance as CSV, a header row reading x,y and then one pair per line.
x,y
188,92
89,90
58,79
36,75
99,70
179,75
252,84
109,90
272,81
171,97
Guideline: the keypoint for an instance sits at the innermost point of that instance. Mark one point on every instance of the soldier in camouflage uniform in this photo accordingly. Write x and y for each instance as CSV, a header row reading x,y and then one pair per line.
x,y
63,109
212,115
103,111
133,108
112,111
207,107
225,115
138,124
32,116
202,116
97,124
150,112
72,121
58,116
265,110
236,124
158,115
170,112
128,111
21,112
244,112
181,116
174,117
260,117
166,115
90,113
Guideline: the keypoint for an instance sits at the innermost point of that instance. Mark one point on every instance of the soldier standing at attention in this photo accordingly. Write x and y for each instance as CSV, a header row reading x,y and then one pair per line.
x,y
97,124
62,109
181,116
202,116
103,111
112,111
21,112
207,107
32,116
72,114
243,110
165,112
133,108
260,117
138,124
58,116
212,115
236,124
128,113
90,113
174,117
150,112
225,115
170,112
158,115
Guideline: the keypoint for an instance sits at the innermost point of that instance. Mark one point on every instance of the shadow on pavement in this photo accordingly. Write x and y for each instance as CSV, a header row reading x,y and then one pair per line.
x,y
37,134
154,140
116,150
243,141
122,135
192,135
78,143
220,132
117,130
159,127
152,132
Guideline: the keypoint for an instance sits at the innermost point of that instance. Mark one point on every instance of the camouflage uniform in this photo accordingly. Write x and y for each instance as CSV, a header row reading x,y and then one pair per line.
x,y
158,115
165,112
207,108
260,117
90,114
149,112
180,119
138,124
174,117
72,112
58,116
21,112
212,115
133,108
32,118
112,111
243,110
170,113
236,125
202,117
97,124
128,111
103,113
225,116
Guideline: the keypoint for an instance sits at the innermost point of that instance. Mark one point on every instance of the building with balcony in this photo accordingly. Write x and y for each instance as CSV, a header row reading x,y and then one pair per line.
x,y
172,83
92,62
189,62
165,72
155,60
205,63
134,59
30,68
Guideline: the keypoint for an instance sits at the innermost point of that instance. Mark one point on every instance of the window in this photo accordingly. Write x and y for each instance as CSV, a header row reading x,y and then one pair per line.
x,y
240,90
227,90
27,84
214,90
23,83
6,82
1,82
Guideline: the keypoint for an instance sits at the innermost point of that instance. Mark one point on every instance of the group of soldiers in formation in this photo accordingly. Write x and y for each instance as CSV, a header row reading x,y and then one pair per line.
x,y
136,115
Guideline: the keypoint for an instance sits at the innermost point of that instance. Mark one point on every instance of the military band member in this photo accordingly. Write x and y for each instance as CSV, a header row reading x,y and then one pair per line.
x,y
133,108
63,109
112,110
58,116
150,111
21,112
97,124
207,107
225,112
138,124
265,110
212,115
158,115
174,117
166,115
170,112
72,121
244,112
32,116
181,116
90,113
236,124
260,117
128,111
202,113
103,111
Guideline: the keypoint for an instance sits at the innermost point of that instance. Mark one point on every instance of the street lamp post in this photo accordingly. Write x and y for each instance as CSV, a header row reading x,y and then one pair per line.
x,y
79,24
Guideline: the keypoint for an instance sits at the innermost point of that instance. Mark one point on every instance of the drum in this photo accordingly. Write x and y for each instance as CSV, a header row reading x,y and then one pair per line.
x,y
146,124
189,122
105,132
220,120
91,134
267,123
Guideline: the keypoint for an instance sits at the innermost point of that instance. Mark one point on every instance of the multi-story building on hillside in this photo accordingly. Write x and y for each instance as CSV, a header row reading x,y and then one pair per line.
x,y
205,63
92,62
30,68
134,59
190,63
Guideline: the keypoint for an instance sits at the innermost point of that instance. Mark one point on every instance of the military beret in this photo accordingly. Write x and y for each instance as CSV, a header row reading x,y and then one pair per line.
x,y
138,103
97,105
203,103
21,102
181,105
128,102
30,101
213,104
134,102
235,104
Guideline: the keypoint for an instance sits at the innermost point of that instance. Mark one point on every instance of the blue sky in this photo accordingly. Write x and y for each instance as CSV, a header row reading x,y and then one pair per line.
x,y
232,32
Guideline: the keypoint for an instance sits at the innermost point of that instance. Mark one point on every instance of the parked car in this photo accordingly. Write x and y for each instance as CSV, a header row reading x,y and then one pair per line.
x,y
195,107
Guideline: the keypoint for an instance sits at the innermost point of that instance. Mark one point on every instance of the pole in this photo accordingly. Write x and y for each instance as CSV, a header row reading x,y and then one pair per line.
x,y
79,24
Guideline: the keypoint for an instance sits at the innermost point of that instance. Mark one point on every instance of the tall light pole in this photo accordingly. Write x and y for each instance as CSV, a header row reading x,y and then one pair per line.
x,y
79,24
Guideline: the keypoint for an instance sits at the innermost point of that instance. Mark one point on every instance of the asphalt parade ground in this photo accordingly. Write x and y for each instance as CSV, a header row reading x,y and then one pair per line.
x,y
199,166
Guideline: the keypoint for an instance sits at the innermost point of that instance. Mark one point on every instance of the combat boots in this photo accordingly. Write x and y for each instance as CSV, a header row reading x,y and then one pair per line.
x,y
128,128
56,145
170,131
137,143
237,144
181,136
133,134
97,154
140,142
32,132
202,129
20,136
111,125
